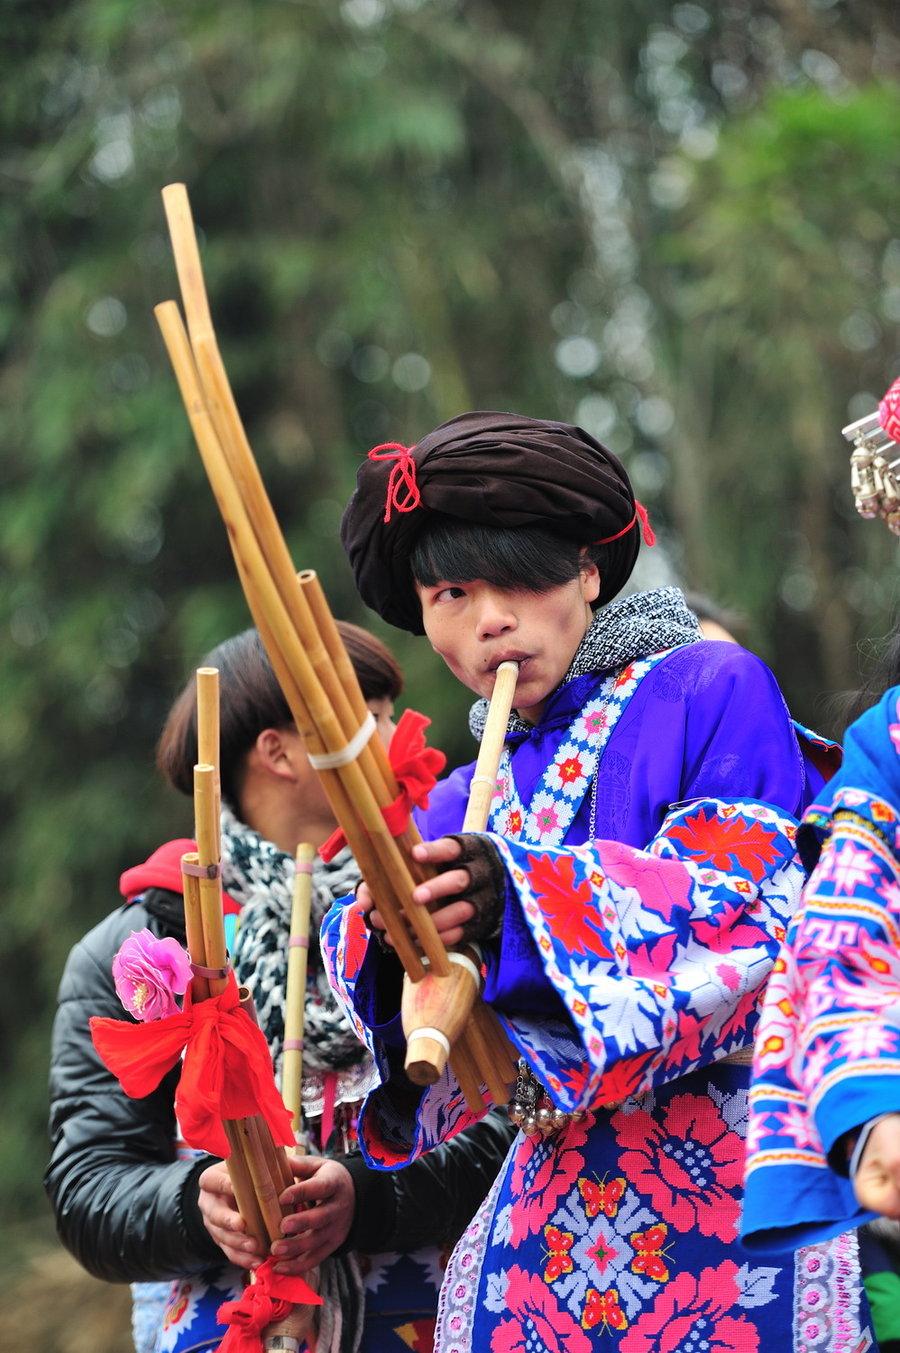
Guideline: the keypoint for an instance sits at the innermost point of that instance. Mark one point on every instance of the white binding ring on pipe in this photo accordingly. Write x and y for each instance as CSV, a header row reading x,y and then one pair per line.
x,y
464,961
428,1032
331,760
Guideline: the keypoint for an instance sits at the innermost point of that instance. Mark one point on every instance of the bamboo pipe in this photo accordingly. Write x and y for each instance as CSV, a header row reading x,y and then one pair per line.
x,y
484,779
208,737
225,419
295,996
430,1008
227,423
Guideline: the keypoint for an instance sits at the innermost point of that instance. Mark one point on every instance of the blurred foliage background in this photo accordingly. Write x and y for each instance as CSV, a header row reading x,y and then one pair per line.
x,y
676,224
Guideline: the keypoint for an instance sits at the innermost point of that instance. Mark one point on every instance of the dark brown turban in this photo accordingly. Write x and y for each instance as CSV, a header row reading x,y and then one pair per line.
x,y
494,469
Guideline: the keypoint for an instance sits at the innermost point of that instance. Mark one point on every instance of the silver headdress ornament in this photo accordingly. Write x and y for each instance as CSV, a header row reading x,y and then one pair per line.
x,y
875,462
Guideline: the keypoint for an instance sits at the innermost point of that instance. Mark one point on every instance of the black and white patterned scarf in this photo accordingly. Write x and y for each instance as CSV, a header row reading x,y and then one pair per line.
x,y
260,876
628,628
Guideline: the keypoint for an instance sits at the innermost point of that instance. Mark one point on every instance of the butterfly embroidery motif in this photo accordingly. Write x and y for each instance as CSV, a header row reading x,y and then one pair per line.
x,y
603,1309
650,1256
559,1260
601,1196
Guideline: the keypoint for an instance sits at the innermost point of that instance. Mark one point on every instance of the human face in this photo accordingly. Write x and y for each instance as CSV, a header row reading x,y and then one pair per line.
x,y
475,626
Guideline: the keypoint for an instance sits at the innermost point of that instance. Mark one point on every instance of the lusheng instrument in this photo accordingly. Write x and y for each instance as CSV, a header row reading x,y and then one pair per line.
x,y
312,665
259,1168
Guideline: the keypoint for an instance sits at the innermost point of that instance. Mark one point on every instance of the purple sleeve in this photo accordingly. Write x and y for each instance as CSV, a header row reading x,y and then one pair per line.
x,y
709,722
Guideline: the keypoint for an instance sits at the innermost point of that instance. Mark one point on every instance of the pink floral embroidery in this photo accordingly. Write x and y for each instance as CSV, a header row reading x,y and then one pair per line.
x,y
664,885
690,1166
544,1171
536,1320
695,1309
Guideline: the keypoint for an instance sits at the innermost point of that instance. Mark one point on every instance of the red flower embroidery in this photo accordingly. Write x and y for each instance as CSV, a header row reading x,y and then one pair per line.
x,y
727,843
690,1166
544,1171
699,1309
356,942
566,906
536,1319
570,770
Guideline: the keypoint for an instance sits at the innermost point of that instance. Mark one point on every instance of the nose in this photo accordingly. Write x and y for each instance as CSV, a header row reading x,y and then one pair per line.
x,y
496,614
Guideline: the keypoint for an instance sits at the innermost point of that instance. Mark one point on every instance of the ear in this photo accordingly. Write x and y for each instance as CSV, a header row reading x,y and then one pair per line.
x,y
590,578
274,752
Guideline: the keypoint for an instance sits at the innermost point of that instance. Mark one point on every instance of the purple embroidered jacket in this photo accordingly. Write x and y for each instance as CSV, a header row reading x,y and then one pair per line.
x,y
646,826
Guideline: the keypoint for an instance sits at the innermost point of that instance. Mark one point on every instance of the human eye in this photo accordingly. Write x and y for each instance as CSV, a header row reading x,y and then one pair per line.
x,y
445,592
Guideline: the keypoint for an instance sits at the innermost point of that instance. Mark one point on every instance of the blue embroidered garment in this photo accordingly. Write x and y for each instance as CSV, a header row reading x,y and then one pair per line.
x,y
828,1052
648,903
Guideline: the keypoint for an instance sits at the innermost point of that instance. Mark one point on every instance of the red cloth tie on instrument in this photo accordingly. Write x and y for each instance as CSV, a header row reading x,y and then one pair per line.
x,y
416,767
268,1298
227,1071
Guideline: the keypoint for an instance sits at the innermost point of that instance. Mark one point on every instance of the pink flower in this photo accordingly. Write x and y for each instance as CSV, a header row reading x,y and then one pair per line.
x,y
536,1320
690,1166
696,1307
149,974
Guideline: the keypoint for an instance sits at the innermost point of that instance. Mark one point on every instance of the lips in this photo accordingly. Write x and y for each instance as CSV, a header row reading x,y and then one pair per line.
x,y
520,658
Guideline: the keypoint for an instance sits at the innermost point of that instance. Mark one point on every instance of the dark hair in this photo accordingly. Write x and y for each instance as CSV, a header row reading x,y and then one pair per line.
x,y
250,699
522,557
884,673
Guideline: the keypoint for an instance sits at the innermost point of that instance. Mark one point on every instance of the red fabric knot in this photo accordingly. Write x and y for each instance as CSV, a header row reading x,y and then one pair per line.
x,y
269,1297
402,489
640,515
226,1073
416,767
889,412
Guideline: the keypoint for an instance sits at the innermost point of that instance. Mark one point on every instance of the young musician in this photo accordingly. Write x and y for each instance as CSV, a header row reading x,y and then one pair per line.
x,y
629,898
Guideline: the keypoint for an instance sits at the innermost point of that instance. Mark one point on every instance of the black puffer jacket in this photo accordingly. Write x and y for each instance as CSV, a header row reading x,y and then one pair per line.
x,y
127,1209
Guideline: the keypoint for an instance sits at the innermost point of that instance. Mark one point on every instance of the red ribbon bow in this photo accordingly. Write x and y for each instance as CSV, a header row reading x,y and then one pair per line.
x,y
269,1297
227,1071
416,767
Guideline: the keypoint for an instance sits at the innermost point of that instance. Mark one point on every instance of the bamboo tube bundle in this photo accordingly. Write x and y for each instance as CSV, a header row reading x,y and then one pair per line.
x,y
260,1170
258,1166
317,678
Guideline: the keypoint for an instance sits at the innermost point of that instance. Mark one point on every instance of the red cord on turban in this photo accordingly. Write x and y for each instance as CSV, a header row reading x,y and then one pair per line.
x,y
227,1071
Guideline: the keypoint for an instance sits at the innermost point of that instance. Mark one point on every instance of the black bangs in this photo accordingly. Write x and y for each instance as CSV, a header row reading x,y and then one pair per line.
x,y
526,557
